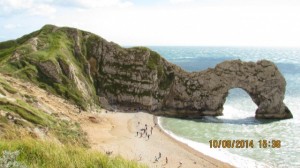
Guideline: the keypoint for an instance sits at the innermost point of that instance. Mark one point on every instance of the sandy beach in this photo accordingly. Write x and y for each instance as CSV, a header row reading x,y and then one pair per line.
x,y
116,132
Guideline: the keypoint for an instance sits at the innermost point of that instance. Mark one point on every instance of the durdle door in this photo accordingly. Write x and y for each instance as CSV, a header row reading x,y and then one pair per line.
x,y
204,93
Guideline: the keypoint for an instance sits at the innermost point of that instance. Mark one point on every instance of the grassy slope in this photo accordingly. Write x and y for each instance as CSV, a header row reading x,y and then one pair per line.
x,y
45,154
72,149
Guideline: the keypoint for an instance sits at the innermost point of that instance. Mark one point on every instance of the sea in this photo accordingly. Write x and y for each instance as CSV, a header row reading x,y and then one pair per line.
x,y
238,121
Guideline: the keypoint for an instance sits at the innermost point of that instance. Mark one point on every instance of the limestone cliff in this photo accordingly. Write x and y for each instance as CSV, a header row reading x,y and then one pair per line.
x,y
86,68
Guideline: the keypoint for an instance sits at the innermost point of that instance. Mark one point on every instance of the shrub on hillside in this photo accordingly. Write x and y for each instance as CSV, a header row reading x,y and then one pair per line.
x,y
9,160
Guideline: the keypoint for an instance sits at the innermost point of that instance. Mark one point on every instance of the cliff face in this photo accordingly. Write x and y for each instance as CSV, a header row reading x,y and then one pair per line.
x,y
85,68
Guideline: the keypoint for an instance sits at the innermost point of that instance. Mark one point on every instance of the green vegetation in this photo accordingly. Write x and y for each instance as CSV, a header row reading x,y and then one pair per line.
x,y
153,61
44,154
35,153
90,43
52,44
72,152
9,160
7,44
166,81
70,133
26,37
2,92
71,93
7,87
65,132
3,120
5,53
25,116
25,111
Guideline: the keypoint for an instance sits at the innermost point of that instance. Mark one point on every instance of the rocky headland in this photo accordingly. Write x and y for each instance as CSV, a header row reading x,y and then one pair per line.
x,y
90,71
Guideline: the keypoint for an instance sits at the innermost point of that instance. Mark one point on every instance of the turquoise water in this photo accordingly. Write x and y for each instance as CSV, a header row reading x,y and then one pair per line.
x,y
238,122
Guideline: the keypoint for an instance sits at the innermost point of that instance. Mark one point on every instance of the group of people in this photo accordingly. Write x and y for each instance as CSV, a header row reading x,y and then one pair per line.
x,y
144,131
166,161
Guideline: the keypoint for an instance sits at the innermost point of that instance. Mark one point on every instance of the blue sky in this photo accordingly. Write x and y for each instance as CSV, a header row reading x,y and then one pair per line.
x,y
162,22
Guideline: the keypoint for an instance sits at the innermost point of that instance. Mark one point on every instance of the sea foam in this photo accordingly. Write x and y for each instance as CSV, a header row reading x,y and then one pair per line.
x,y
220,154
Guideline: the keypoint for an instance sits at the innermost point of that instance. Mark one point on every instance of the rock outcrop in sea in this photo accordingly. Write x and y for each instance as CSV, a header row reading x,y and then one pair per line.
x,y
89,70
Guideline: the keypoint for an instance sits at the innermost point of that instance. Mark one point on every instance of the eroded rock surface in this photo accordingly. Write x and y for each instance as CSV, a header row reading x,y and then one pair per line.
x,y
139,76
204,93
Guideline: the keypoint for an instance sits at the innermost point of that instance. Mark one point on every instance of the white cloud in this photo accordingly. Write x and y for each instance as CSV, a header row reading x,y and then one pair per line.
x,y
198,25
9,5
180,1
265,24
50,7
235,2
103,3
11,26
42,10
32,7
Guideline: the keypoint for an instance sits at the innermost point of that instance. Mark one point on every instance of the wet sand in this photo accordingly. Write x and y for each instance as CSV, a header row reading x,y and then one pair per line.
x,y
116,132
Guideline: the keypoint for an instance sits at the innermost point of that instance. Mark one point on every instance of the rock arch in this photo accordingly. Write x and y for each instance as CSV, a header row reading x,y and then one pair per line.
x,y
204,93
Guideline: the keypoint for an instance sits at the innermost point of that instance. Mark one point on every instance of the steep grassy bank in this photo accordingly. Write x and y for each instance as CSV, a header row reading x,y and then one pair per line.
x,y
45,154
40,126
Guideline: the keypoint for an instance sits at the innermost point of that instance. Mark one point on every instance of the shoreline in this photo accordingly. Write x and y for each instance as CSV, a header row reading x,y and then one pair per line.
x,y
115,131
197,153
199,149
118,132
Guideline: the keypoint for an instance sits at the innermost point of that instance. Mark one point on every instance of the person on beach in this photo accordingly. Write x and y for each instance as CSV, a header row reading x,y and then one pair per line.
x,y
79,109
137,133
148,137
151,130
159,155
166,160
180,164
